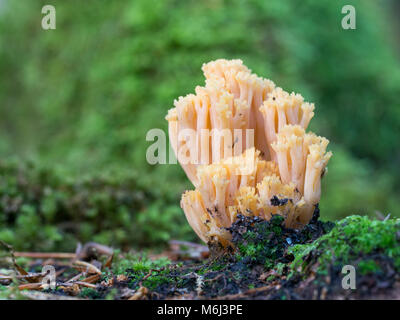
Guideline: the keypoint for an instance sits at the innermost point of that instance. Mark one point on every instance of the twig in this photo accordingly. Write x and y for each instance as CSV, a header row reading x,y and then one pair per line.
x,y
45,255
92,278
30,286
243,294
149,274
29,277
75,278
11,250
109,261
215,278
387,217
85,284
140,294
89,267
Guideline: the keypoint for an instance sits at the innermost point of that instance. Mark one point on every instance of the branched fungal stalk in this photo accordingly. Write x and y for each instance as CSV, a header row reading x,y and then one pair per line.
x,y
242,142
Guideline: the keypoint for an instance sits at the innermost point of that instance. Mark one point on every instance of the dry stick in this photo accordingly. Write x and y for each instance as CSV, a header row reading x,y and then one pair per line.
x,y
85,284
23,277
243,294
76,277
11,250
30,277
149,274
215,278
61,255
34,277
90,268
30,286
92,278
109,261
139,294
60,272
46,255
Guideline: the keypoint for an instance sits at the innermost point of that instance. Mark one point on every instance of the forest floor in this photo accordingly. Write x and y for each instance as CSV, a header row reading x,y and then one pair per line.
x,y
269,262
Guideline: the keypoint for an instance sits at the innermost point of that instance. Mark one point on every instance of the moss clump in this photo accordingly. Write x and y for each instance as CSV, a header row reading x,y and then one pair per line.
x,y
371,246
137,267
354,240
261,242
140,263
90,293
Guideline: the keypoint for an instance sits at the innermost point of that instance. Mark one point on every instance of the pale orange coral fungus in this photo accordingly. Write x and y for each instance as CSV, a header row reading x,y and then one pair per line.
x,y
242,142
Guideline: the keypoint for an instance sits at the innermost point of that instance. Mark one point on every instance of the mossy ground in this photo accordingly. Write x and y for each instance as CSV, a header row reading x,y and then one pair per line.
x,y
274,262
269,262
42,209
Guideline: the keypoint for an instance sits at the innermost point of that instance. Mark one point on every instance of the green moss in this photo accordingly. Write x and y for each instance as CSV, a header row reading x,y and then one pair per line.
x,y
139,263
256,243
111,295
11,292
157,280
353,239
367,244
279,268
265,242
90,293
368,266
217,266
137,266
6,292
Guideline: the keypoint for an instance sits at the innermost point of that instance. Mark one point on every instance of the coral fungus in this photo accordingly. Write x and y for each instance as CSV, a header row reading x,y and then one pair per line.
x,y
242,142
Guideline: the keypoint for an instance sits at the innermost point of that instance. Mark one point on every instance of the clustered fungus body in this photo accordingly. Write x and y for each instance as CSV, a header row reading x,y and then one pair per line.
x,y
242,142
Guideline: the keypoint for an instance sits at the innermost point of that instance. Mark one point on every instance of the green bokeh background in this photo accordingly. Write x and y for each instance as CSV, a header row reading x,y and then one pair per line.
x,y
76,104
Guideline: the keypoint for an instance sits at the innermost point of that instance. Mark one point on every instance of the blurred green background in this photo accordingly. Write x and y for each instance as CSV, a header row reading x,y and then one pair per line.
x,y
76,103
